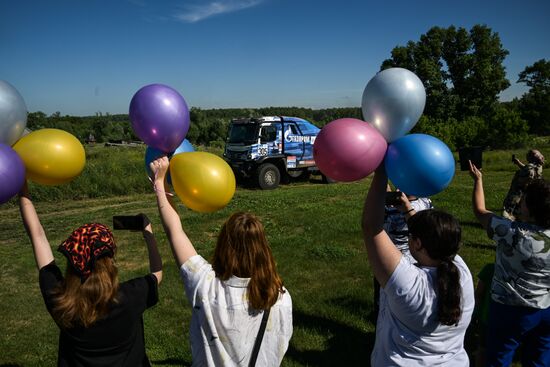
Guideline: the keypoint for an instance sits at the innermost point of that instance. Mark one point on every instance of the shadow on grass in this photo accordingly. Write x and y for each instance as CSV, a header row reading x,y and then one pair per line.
x,y
171,362
347,346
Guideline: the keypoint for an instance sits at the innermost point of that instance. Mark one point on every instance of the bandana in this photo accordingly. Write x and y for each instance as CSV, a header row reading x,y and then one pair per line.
x,y
85,245
536,157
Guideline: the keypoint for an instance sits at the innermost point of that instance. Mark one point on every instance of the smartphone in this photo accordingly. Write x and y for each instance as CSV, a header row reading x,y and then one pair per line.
x,y
393,197
513,157
129,222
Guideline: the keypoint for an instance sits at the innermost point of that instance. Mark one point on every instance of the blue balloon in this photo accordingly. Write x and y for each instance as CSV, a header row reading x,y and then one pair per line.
x,y
419,164
185,147
153,153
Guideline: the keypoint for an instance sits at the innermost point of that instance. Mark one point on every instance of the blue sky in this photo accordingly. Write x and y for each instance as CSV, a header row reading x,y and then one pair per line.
x,y
84,56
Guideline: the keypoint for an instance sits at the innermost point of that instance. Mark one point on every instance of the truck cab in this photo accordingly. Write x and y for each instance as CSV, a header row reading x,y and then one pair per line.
x,y
271,149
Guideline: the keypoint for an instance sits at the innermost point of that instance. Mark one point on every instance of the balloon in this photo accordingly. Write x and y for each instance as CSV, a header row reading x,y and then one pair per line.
x,y
152,153
393,101
13,114
51,156
203,181
12,173
159,116
348,149
420,164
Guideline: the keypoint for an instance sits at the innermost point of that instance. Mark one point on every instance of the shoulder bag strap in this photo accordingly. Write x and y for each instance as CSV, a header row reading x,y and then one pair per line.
x,y
259,338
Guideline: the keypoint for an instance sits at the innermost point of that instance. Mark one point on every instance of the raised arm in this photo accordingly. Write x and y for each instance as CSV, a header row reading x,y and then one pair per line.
x,y
182,248
517,162
478,198
382,254
41,247
155,261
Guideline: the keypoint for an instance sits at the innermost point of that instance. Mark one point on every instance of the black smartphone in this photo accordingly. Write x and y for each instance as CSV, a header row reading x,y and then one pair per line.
x,y
393,197
513,158
129,222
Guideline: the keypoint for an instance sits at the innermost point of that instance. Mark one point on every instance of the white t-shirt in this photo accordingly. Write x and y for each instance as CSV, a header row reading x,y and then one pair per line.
x,y
224,327
408,332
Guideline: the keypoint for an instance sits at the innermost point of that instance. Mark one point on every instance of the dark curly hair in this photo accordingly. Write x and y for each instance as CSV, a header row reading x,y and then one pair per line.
x,y
537,200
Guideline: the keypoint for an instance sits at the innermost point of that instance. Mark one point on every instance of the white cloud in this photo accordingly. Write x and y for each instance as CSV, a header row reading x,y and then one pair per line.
x,y
196,13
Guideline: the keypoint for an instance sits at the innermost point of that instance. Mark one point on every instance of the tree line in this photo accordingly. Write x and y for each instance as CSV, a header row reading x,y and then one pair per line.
x,y
462,71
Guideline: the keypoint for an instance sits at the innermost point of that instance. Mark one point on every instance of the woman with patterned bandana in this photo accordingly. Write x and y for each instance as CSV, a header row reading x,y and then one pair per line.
x,y
100,319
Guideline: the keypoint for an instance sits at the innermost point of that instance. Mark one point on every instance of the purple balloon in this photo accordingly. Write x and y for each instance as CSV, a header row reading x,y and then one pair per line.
x,y
348,149
159,117
12,173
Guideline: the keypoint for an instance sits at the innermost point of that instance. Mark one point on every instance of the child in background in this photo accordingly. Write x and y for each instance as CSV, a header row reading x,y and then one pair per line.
x,y
523,176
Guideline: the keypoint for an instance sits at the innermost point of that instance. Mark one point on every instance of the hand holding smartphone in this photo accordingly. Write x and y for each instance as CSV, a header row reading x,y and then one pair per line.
x,y
130,222
393,198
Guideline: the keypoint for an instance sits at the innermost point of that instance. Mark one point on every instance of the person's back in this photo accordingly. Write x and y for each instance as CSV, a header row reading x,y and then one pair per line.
x,y
425,307
242,314
408,331
100,320
224,326
116,339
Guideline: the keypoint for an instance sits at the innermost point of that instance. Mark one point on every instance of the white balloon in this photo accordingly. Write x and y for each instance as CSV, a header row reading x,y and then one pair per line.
x,y
13,114
393,101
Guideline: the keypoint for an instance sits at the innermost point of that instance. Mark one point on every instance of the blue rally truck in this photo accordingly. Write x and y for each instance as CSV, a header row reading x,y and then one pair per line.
x,y
271,149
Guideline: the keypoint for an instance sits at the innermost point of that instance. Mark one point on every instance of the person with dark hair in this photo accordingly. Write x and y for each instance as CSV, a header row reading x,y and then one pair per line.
x,y
100,319
234,297
425,307
523,176
520,289
396,213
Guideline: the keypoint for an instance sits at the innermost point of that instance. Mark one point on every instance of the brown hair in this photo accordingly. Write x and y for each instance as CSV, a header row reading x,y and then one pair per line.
x,y
440,235
82,304
242,250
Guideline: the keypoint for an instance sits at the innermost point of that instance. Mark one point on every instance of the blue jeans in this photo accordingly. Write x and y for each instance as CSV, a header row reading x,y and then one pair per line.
x,y
509,326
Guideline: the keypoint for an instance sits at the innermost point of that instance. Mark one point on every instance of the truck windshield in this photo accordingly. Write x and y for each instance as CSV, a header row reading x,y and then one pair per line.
x,y
243,133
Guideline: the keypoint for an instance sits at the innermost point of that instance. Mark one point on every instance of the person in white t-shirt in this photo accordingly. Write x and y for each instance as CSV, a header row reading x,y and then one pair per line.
x,y
231,296
427,306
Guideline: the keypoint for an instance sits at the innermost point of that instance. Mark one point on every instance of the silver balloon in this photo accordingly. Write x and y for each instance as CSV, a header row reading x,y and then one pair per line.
x,y
393,101
13,114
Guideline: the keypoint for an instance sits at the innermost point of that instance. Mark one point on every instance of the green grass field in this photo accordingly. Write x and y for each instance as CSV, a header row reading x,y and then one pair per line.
x,y
314,231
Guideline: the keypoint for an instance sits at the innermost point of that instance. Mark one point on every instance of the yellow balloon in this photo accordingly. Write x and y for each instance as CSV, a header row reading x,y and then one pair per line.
x,y
51,156
203,181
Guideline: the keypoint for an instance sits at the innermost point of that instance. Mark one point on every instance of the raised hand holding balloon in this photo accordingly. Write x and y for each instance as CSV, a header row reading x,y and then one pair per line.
x,y
348,149
13,114
393,101
159,116
152,153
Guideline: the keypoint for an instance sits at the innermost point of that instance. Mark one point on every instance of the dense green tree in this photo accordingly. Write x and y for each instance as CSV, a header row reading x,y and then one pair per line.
x,y
535,104
462,71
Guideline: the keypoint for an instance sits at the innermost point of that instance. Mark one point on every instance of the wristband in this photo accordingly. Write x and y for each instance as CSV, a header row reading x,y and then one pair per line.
x,y
408,211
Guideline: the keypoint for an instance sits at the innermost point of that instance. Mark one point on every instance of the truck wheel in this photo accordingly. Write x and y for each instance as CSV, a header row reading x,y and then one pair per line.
x,y
268,176
328,180
300,175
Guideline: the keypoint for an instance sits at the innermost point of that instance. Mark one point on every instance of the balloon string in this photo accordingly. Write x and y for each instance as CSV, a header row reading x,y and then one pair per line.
x,y
155,188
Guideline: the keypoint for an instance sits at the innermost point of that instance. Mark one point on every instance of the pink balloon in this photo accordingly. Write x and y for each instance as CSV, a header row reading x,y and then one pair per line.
x,y
348,149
